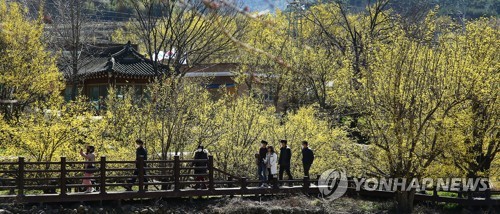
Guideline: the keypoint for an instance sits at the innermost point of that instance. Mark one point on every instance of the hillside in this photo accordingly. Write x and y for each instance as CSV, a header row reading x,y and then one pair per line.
x,y
115,10
472,8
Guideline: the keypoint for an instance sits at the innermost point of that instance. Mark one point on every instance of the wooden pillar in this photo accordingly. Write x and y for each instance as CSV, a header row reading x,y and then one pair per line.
x,y
20,177
470,198
211,172
229,185
243,183
306,184
63,176
275,183
488,198
230,179
103,175
435,195
176,173
141,173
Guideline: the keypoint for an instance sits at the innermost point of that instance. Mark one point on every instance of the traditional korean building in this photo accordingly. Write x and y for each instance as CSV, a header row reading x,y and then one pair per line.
x,y
123,65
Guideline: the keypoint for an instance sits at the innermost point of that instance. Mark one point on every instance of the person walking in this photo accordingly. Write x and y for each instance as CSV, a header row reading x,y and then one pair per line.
x,y
307,157
89,167
284,161
140,151
200,154
261,166
271,162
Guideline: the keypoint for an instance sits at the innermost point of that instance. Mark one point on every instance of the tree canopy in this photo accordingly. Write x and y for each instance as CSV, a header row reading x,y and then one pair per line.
x,y
376,92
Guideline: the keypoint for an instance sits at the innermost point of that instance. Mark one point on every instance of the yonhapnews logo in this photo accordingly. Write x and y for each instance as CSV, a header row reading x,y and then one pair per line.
x,y
332,184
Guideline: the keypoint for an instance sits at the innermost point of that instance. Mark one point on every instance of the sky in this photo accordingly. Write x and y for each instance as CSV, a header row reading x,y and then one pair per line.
x,y
261,5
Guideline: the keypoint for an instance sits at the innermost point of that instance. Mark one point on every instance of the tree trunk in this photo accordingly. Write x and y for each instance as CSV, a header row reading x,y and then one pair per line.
x,y
404,201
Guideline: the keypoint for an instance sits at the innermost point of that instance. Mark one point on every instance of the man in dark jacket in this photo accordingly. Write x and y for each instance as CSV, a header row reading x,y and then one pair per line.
x,y
200,154
307,157
262,169
140,151
284,161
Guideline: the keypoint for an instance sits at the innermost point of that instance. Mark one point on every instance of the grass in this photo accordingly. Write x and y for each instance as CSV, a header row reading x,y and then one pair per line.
x,y
444,194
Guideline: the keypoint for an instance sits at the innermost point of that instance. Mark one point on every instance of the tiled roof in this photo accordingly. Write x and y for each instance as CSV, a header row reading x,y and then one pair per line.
x,y
123,62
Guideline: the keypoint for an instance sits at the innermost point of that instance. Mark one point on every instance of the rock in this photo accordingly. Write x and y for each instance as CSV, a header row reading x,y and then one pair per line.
x,y
14,210
81,210
101,210
48,207
126,208
2,211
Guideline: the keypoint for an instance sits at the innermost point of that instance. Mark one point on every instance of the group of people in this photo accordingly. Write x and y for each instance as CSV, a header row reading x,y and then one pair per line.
x,y
267,162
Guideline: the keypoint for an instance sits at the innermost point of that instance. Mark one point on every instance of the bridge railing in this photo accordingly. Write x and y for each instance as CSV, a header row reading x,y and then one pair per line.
x,y
64,176
23,178
31,181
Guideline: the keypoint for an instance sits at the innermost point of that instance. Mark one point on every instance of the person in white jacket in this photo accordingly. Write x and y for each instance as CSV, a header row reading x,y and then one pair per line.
x,y
271,162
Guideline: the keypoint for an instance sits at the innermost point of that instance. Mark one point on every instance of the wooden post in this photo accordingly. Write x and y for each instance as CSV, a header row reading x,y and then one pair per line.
x,y
243,183
306,184
63,176
470,198
176,173
275,183
230,178
141,173
488,194
211,172
229,185
103,175
20,177
435,195
488,198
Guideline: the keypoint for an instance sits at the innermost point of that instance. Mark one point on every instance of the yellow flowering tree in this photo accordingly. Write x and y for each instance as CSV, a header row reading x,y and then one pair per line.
x,y
28,72
476,123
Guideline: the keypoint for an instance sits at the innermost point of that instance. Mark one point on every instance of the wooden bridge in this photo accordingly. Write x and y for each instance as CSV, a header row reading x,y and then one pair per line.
x,y
45,182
